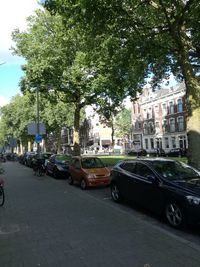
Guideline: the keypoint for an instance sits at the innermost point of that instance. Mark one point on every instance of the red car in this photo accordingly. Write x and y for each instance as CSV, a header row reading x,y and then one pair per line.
x,y
88,172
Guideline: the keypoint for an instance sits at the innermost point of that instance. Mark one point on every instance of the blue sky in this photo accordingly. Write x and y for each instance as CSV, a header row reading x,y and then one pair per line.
x,y
13,15
9,78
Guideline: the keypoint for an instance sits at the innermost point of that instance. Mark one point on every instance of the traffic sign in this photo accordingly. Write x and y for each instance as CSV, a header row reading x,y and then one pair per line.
x,y
38,138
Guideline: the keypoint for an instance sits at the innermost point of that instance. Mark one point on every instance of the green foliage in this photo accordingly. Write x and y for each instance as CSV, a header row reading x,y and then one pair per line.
x,y
134,39
122,123
15,117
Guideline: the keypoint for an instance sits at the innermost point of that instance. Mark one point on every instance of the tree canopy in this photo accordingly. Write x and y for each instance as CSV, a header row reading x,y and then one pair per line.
x,y
154,38
60,57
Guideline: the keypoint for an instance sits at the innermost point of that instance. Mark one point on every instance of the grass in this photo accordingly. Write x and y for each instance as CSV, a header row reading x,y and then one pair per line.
x,y
112,160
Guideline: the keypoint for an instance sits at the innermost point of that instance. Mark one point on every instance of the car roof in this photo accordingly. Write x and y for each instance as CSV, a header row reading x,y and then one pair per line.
x,y
149,160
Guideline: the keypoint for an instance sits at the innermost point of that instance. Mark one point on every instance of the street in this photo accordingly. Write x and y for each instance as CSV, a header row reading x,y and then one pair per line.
x,y
46,222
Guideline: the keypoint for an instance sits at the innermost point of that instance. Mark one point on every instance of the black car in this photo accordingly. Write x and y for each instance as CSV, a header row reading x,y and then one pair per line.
x,y
176,152
58,165
164,186
159,152
137,152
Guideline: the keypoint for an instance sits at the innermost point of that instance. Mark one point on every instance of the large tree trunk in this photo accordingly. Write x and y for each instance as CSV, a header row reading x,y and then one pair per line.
x,y
193,131
76,138
192,105
58,137
112,134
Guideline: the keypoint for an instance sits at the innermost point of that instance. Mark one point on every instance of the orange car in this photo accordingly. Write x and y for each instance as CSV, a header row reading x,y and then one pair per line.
x,y
88,172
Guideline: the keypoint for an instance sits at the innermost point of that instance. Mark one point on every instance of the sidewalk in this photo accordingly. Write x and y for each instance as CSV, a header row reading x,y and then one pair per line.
x,y
45,222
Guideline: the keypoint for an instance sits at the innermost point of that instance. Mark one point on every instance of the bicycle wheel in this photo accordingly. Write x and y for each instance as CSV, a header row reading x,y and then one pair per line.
x,y
2,196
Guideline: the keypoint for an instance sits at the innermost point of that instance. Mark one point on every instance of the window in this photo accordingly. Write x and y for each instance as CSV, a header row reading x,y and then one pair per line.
x,y
145,128
143,170
164,109
166,142
152,143
157,127
171,107
180,105
129,166
180,124
173,140
172,125
77,164
151,128
165,126
146,143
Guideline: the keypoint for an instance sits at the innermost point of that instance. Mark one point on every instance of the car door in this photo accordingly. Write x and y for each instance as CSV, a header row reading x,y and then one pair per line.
x,y
149,193
51,164
126,180
75,170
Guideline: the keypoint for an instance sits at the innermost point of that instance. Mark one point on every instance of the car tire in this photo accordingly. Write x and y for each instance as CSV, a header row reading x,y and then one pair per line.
x,y
174,214
70,180
83,184
115,193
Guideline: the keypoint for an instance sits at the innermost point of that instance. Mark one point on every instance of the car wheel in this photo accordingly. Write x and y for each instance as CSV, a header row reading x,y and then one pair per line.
x,y
70,180
83,184
174,214
115,193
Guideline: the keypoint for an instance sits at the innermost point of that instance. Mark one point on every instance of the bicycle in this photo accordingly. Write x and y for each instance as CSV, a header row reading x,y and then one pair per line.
x,y
2,194
39,168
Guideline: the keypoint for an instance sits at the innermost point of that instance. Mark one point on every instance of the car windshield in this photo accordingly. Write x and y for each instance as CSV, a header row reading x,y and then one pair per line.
x,y
63,158
89,163
173,170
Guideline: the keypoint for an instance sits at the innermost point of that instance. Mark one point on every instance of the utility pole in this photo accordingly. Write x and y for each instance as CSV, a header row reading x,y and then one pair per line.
x,y
38,118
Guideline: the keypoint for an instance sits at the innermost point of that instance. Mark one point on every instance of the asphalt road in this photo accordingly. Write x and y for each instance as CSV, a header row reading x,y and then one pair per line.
x,y
46,222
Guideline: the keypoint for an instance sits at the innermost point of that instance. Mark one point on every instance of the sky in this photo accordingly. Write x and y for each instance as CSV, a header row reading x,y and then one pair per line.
x,y
13,15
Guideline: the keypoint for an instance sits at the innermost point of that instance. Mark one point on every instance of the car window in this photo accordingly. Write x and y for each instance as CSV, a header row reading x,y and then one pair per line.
x,y
52,159
89,163
77,164
129,166
173,170
63,158
143,170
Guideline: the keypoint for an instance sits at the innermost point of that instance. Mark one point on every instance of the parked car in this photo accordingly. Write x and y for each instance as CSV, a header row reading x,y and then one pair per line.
x,y
44,156
164,186
137,152
28,158
176,152
58,165
159,152
88,172
2,158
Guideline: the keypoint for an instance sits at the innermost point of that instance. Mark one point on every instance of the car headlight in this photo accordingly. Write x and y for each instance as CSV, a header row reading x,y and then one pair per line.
x,y
91,176
193,200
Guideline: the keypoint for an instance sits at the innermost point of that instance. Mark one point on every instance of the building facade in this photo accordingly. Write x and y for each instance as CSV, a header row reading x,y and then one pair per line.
x,y
159,119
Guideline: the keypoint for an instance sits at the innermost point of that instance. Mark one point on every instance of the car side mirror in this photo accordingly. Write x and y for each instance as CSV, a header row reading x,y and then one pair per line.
x,y
151,178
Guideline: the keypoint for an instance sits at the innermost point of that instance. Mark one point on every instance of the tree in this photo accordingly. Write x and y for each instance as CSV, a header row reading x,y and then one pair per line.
x,y
159,37
15,117
56,59
122,123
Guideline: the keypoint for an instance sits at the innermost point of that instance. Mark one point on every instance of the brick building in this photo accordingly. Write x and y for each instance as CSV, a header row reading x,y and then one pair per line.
x,y
159,119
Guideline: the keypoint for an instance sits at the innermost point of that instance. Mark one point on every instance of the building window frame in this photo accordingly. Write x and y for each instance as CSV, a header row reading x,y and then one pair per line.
x,y
171,107
180,123
180,105
172,125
